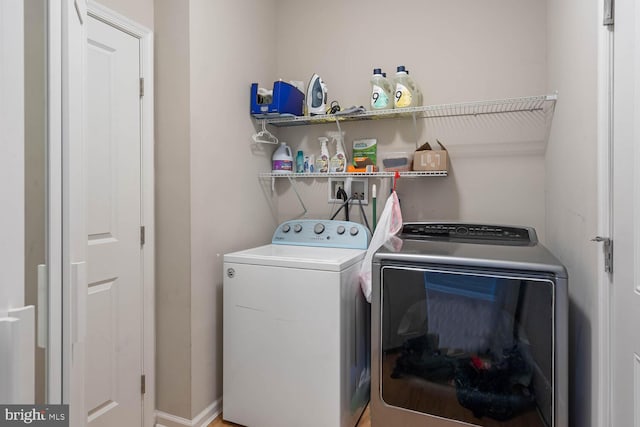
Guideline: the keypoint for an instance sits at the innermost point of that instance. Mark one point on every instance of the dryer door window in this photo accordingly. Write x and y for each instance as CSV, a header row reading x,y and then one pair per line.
x,y
469,346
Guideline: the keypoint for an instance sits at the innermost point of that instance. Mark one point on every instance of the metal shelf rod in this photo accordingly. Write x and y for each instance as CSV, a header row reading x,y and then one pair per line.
x,y
409,174
501,106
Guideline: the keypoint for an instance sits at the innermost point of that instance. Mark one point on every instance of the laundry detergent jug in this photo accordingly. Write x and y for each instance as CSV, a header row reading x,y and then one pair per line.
x,y
282,160
407,92
381,91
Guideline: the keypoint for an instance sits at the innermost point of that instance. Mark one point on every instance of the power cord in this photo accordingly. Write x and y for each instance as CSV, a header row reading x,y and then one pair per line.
x,y
334,107
364,215
345,206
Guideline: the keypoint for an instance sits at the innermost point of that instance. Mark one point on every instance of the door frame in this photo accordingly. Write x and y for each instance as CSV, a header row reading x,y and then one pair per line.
x,y
605,215
145,36
11,123
54,202
608,186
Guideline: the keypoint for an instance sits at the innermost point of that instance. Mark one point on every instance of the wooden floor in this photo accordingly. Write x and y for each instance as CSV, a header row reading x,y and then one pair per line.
x,y
365,421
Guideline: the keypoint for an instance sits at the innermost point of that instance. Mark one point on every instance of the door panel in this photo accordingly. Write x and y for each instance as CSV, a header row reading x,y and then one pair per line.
x,y
625,344
114,303
102,303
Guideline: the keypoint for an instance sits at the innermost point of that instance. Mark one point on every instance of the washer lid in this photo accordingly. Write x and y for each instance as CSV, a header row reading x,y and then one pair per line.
x,y
307,257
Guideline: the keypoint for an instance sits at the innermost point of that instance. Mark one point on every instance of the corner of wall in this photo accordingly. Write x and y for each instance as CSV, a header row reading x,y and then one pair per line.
x,y
173,208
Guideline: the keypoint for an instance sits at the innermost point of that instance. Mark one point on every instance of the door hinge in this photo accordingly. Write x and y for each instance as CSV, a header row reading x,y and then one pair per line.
x,y
609,9
141,87
143,384
608,252
142,235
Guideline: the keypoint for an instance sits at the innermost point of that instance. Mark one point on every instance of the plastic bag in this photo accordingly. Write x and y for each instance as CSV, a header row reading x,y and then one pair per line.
x,y
389,225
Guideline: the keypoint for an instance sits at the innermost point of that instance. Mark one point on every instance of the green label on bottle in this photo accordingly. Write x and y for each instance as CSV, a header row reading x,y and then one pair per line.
x,y
379,99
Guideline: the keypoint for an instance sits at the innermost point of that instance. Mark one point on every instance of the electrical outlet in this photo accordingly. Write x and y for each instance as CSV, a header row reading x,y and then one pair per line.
x,y
334,185
358,187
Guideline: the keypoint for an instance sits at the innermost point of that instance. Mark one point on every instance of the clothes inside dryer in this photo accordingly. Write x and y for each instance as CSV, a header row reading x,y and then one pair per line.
x,y
474,338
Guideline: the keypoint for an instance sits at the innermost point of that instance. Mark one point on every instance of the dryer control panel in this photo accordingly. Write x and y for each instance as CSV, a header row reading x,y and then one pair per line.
x,y
322,233
471,233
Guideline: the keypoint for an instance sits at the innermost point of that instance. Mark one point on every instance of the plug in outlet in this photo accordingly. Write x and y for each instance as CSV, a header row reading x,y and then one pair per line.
x,y
334,185
358,187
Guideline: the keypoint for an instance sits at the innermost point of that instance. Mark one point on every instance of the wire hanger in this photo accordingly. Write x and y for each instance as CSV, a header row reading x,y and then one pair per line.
x,y
264,136
295,190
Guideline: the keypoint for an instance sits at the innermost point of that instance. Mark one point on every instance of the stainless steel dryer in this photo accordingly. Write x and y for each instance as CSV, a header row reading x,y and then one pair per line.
x,y
469,327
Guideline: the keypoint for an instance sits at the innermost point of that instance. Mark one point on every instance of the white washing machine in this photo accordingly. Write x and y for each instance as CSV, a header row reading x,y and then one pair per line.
x,y
296,328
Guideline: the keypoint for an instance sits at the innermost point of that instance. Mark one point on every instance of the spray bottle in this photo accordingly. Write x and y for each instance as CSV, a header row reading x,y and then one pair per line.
x,y
339,160
322,162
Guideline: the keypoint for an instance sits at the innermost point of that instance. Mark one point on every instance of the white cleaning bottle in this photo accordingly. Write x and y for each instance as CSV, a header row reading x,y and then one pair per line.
x,y
339,160
381,91
407,93
282,160
322,162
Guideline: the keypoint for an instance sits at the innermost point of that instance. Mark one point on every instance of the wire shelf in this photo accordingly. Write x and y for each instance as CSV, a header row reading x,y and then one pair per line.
x,y
411,174
541,103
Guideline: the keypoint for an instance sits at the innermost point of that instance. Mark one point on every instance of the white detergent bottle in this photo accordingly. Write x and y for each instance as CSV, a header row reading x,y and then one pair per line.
x,y
312,163
381,91
282,160
407,93
339,160
322,162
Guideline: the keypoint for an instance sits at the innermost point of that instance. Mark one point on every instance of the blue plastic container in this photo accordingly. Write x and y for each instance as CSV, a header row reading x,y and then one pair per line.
x,y
287,99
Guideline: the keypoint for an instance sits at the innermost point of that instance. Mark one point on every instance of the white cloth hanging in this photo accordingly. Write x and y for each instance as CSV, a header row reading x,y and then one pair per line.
x,y
389,225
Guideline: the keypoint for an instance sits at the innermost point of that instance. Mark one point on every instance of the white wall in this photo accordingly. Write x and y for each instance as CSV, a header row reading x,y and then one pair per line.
x,y
231,43
208,192
140,11
173,208
457,51
571,188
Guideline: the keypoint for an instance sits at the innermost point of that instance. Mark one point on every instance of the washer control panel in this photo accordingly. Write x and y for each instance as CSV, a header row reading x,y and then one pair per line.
x,y
322,233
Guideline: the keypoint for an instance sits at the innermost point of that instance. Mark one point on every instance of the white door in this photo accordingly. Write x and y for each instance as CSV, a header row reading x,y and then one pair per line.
x,y
625,309
115,297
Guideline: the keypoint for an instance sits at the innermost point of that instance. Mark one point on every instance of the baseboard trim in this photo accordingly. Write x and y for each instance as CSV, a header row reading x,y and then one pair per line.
x,y
203,419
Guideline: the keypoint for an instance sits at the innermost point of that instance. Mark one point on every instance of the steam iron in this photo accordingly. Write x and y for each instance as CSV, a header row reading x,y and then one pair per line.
x,y
316,96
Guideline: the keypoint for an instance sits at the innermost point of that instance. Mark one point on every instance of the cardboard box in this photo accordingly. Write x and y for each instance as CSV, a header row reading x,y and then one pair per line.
x,y
427,159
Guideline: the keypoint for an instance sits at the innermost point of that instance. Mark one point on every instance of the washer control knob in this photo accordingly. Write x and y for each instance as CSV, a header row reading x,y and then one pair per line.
x,y
353,231
286,228
319,228
341,229
297,228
